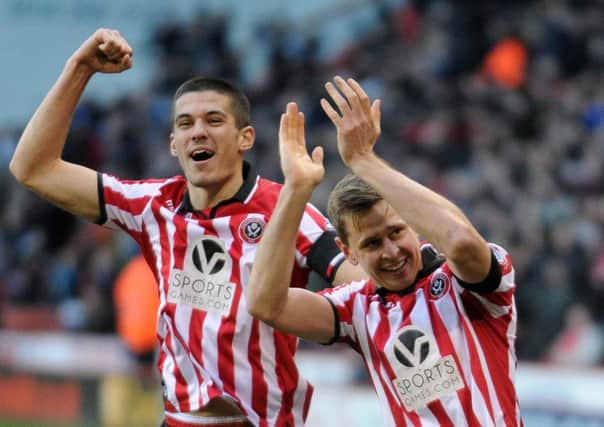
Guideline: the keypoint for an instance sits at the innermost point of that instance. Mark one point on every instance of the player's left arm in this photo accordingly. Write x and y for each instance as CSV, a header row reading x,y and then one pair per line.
x,y
434,217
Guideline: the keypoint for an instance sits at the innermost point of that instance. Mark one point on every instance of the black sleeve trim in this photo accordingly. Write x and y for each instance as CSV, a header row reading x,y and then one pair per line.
x,y
490,283
336,323
103,213
322,253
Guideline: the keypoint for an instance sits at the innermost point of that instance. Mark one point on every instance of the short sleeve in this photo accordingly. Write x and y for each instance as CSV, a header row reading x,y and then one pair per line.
x,y
500,300
346,300
122,202
316,244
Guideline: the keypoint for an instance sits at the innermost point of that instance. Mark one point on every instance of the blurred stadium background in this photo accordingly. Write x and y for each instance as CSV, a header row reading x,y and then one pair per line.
x,y
499,105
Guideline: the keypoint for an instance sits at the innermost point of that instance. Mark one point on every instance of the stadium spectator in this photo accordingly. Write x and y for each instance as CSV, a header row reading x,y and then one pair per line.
x,y
133,398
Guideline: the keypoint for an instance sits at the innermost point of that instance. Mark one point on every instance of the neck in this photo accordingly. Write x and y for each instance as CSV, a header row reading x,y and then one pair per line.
x,y
204,197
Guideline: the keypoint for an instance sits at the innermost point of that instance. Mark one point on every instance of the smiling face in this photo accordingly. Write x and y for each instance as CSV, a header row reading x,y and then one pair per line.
x,y
384,245
208,144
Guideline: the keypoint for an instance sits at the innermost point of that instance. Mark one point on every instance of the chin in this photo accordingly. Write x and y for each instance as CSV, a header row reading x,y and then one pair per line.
x,y
198,180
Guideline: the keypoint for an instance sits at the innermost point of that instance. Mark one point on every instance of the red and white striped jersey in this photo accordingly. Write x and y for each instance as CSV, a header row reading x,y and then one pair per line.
x,y
209,345
437,353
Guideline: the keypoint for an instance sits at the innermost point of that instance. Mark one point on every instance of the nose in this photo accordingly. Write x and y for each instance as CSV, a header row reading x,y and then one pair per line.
x,y
199,130
390,249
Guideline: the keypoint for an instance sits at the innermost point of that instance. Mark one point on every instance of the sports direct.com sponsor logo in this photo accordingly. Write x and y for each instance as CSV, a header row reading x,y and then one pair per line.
x,y
422,376
200,293
418,387
203,283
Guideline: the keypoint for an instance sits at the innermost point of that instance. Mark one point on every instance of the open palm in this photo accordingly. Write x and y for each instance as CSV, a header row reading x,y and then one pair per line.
x,y
356,119
299,168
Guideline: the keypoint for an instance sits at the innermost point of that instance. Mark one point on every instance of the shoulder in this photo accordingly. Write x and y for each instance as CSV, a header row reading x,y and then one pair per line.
x,y
502,256
264,192
171,187
350,290
267,186
176,180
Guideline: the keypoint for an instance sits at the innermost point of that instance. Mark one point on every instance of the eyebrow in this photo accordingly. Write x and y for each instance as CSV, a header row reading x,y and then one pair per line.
x,y
389,229
207,113
219,112
183,115
367,240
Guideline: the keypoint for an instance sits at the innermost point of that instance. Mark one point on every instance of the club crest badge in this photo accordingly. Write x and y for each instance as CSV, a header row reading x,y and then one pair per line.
x,y
439,285
251,229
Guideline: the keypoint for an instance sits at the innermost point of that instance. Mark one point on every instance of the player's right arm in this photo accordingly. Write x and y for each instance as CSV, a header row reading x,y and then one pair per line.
x,y
268,295
37,162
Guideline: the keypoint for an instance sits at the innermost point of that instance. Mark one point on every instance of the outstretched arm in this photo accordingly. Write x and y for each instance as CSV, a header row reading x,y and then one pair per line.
x,y
438,220
37,162
269,297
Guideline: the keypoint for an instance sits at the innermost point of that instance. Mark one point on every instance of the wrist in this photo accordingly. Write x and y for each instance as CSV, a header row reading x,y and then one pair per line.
x,y
298,189
78,68
360,164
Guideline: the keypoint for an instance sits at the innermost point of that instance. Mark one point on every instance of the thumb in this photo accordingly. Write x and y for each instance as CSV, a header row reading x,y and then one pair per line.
x,y
376,114
317,155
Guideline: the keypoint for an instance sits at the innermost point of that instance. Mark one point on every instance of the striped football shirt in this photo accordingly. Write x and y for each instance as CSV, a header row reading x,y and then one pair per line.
x,y
440,353
209,345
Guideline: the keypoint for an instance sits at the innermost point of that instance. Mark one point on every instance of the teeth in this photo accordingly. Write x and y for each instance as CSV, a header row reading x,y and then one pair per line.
x,y
396,267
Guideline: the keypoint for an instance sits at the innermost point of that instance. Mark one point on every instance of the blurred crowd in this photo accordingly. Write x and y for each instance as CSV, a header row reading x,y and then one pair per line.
x,y
499,106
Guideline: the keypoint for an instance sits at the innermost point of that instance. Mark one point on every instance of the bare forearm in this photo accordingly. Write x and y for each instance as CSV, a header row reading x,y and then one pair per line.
x,y
269,281
44,137
434,217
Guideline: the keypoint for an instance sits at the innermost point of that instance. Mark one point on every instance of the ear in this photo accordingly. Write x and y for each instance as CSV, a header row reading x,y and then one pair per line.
x,y
346,251
173,145
247,137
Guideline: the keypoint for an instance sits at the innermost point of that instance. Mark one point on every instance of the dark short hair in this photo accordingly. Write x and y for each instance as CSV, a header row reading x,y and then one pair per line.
x,y
351,197
239,102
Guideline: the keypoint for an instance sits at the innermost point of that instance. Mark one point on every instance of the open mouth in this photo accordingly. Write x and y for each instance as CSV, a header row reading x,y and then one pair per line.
x,y
201,155
395,268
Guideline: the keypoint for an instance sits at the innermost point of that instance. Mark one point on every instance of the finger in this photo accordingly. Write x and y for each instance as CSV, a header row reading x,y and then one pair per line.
x,y
282,129
100,36
331,112
111,52
300,138
292,108
360,93
376,115
113,45
119,41
291,114
337,98
351,96
115,52
125,47
127,61
108,42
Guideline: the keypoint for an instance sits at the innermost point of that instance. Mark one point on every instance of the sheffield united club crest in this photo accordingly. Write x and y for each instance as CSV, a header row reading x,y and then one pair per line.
x,y
251,229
